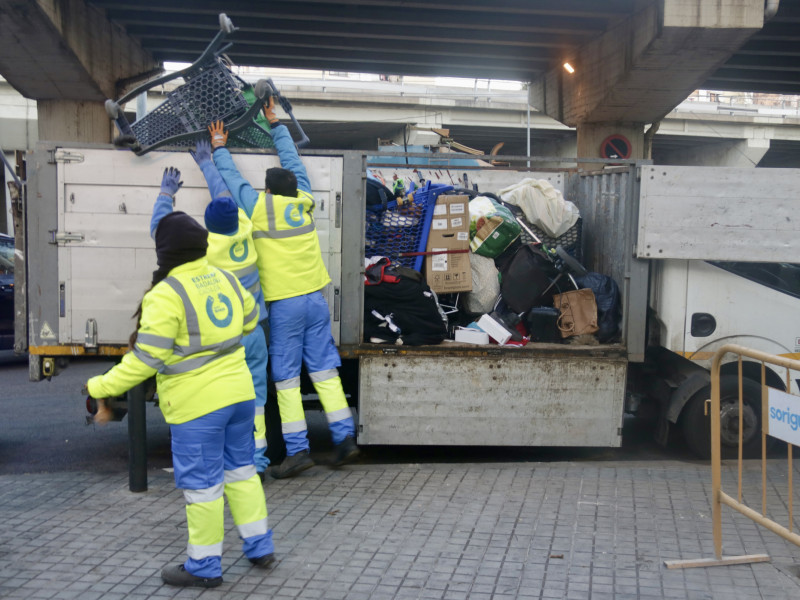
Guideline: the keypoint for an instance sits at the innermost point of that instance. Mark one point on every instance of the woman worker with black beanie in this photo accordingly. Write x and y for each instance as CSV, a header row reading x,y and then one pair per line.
x,y
190,326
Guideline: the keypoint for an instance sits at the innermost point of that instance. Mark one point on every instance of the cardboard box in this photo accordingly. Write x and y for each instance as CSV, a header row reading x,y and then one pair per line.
x,y
448,273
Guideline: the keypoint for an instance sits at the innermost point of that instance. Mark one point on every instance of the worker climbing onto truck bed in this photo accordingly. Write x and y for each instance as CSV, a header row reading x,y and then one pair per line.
x,y
190,326
230,247
292,277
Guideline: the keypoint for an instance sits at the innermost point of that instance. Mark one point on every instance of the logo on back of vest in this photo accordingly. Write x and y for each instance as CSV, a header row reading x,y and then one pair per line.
x,y
220,313
293,215
239,251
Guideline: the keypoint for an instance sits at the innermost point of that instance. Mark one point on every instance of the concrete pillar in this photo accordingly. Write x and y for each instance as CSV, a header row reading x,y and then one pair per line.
x,y
644,65
592,137
728,153
69,57
74,121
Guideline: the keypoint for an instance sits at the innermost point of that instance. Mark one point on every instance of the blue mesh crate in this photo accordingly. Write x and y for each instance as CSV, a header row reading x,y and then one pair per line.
x,y
401,227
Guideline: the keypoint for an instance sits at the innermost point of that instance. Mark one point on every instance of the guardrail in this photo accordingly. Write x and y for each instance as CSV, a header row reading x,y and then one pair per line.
x,y
780,418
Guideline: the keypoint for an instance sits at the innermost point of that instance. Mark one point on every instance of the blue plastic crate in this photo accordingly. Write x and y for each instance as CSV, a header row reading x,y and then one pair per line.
x,y
400,227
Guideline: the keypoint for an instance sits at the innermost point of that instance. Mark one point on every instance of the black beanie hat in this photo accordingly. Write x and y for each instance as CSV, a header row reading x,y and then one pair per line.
x,y
179,239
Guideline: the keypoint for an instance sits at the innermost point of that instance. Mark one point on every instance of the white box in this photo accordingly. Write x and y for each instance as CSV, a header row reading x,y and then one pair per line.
x,y
498,333
470,335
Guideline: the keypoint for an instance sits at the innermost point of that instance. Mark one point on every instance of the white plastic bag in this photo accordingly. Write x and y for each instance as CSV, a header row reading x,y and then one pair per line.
x,y
543,205
485,285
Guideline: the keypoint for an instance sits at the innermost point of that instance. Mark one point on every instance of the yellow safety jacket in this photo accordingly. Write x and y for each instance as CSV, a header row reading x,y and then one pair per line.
x,y
235,253
289,258
190,332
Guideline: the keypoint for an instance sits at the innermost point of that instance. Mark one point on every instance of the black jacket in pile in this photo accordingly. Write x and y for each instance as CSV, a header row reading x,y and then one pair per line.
x,y
399,307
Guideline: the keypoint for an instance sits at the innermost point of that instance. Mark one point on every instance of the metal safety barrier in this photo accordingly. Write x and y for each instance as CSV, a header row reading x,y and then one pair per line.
x,y
780,418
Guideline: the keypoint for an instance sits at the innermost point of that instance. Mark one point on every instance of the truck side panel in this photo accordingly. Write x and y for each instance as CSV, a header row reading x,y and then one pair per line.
x,y
609,206
719,213
96,203
517,399
41,217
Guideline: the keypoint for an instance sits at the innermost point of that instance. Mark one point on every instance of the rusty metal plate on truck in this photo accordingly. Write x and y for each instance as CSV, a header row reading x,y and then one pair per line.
x,y
485,401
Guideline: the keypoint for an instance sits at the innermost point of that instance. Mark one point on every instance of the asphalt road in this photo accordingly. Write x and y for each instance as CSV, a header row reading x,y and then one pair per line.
x,y
44,430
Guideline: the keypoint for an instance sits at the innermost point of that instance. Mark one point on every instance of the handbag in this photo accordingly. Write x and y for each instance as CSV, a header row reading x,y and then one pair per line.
x,y
578,312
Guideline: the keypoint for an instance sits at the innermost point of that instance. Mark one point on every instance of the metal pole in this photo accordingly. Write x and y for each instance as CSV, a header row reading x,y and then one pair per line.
x,y
529,133
141,105
137,439
716,465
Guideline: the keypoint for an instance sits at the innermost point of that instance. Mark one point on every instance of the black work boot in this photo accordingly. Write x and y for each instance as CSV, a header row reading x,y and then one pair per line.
x,y
345,452
292,465
178,575
263,562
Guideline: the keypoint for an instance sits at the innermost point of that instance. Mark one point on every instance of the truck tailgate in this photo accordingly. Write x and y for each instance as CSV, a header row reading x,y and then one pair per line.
x,y
541,395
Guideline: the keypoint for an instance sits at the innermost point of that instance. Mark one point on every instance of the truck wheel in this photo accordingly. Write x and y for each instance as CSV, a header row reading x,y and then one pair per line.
x,y
696,425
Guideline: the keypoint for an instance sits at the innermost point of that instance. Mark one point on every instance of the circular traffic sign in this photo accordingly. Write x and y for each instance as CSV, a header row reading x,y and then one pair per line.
x,y
615,146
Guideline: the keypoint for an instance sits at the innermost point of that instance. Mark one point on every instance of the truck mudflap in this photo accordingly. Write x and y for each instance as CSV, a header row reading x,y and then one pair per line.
x,y
547,396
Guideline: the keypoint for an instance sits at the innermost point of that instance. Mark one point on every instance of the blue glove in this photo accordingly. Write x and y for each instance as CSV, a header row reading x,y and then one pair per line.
x,y
202,154
171,182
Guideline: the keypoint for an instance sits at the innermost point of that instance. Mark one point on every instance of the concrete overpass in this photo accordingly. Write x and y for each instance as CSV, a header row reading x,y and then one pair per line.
x,y
634,60
707,128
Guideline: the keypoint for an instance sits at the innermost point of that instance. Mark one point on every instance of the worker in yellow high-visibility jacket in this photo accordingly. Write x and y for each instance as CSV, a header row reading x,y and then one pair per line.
x,y
292,276
191,324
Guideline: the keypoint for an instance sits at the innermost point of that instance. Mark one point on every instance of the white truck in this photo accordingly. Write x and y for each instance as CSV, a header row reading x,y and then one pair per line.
x,y
703,256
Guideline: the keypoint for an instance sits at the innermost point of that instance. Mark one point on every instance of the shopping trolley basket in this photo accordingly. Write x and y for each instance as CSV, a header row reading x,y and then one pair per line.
x,y
399,229
211,92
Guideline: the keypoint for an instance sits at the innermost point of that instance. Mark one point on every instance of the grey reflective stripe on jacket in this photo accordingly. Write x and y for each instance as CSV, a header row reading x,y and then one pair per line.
x,y
246,271
190,364
234,284
196,346
284,233
147,358
158,341
253,313
273,232
255,288
192,323
219,347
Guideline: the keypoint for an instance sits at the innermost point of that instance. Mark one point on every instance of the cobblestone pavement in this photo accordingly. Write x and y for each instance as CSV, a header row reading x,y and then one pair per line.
x,y
478,531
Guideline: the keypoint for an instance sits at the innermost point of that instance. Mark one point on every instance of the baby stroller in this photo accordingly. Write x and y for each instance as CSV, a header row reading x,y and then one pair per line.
x,y
210,92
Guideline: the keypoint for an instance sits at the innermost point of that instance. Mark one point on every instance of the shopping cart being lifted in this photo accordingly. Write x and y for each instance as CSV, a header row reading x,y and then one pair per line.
x,y
210,92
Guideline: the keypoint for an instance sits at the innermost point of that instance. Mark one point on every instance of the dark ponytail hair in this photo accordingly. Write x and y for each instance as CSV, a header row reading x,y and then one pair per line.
x,y
138,316
158,276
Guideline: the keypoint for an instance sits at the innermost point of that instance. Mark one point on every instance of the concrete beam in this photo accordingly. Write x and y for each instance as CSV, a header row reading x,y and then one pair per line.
x,y
728,153
65,50
644,66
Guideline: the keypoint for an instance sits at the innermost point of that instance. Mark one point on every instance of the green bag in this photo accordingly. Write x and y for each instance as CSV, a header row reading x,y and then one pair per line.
x,y
492,227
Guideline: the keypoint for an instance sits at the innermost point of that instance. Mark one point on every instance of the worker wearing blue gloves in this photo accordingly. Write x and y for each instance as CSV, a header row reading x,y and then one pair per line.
x,y
292,276
230,247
